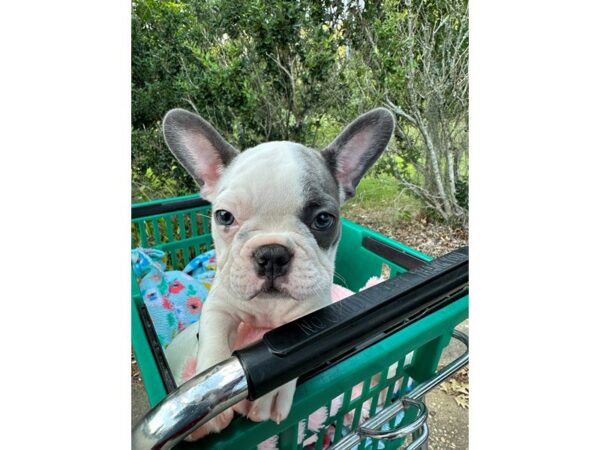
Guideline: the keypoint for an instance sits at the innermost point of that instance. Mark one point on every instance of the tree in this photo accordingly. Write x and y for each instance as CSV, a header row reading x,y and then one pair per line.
x,y
257,70
418,49
263,70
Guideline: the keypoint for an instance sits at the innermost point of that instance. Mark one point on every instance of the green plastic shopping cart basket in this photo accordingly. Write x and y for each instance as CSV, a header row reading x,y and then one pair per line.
x,y
374,366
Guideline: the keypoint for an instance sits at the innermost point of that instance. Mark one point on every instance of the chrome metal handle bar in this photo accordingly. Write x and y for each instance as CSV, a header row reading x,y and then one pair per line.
x,y
211,392
193,404
372,427
418,442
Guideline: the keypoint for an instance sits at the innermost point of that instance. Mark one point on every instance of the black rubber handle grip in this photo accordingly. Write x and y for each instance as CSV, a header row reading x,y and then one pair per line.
x,y
303,345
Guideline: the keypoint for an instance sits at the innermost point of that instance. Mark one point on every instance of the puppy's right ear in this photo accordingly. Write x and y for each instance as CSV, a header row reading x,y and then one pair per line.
x,y
198,147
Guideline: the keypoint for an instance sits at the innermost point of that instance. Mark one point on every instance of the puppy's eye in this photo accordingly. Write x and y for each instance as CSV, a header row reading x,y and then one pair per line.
x,y
224,217
324,221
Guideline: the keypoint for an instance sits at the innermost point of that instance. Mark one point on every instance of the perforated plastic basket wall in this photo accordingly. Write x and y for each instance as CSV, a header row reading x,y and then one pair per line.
x,y
366,381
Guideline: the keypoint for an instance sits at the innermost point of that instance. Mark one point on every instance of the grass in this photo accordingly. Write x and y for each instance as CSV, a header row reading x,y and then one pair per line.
x,y
381,198
384,197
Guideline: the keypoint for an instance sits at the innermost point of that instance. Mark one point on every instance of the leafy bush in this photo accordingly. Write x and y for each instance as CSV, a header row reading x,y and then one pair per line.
x,y
155,173
261,70
462,192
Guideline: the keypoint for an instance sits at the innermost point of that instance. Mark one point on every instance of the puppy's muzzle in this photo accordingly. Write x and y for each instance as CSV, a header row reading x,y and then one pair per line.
x,y
272,261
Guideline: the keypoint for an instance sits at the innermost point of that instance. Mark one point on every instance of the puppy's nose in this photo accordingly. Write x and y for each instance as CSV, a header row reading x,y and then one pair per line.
x,y
272,261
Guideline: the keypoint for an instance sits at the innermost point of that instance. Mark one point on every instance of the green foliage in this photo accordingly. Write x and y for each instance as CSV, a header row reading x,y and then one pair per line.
x,y
149,186
462,192
257,70
417,52
154,171
263,70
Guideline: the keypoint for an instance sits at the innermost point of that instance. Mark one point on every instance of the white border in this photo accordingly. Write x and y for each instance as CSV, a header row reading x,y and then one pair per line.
x,y
64,176
534,229
65,90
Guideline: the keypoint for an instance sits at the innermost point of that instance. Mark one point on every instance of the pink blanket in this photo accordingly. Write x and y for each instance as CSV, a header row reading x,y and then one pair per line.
x,y
247,335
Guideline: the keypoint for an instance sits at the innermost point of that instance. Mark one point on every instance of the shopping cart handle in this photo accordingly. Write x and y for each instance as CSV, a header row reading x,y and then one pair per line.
x,y
298,347
303,345
193,404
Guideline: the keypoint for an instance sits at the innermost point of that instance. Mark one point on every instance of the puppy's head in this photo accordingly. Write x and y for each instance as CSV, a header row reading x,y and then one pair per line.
x,y
276,206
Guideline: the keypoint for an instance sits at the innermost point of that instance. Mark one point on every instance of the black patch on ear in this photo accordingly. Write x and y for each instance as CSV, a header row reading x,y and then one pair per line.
x,y
321,194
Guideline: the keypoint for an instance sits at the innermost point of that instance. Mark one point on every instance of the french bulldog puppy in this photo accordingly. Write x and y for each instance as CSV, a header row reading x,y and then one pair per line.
x,y
276,227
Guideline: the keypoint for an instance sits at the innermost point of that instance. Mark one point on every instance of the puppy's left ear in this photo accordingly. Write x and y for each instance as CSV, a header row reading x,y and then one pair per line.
x,y
357,148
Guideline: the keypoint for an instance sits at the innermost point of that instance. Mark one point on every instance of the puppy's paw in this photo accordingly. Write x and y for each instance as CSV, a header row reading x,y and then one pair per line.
x,y
215,425
243,407
283,402
260,409
275,405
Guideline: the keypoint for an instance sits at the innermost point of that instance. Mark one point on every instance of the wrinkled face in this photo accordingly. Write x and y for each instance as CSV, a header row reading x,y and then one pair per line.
x,y
276,207
276,223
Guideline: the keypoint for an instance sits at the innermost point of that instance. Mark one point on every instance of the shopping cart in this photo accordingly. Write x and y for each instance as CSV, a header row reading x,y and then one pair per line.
x,y
364,364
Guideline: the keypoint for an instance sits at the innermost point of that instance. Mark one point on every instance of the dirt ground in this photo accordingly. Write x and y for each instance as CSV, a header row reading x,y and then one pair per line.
x,y
448,404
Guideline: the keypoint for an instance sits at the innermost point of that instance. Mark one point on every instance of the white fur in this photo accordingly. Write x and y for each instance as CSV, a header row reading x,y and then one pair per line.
x,y
262,188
